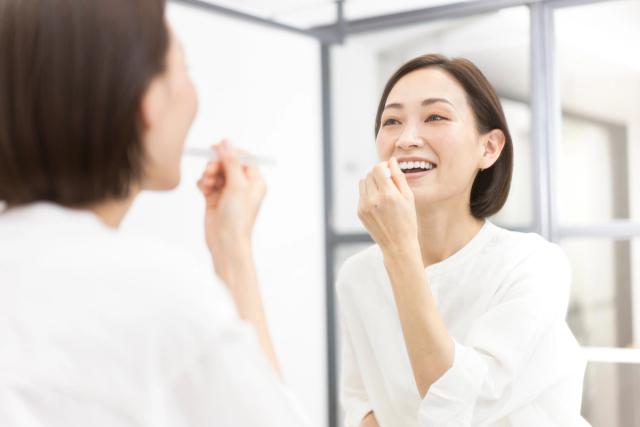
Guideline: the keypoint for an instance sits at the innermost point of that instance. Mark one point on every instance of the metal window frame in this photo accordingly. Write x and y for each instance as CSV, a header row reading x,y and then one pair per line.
x,y
546,126
206,6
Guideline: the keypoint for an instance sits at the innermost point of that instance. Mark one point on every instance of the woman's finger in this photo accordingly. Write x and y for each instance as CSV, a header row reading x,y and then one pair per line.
x,y
214,167
372,185
208,180
234,175
205,190
398,177
253,173
362,202
381,175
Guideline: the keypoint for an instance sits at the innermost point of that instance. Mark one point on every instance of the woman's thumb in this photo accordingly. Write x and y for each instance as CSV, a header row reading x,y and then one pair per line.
x,y
233,172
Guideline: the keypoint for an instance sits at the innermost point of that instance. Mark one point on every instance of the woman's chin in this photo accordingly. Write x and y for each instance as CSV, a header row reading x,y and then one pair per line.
x,y
421,181
173,184
424,194
166,183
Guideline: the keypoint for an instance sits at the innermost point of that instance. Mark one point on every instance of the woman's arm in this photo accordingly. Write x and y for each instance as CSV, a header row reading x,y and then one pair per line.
x,y
388,212
233,195
370,420
429,345
498,347
237,270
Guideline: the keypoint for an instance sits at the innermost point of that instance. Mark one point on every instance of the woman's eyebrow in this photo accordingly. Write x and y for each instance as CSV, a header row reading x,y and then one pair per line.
x,y
424,103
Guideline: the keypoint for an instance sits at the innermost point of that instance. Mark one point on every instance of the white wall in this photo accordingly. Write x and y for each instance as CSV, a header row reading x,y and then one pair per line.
x,y
354,77
261,88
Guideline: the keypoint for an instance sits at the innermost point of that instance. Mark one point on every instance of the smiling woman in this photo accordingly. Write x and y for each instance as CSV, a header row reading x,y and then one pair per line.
x,y
450,320
491,185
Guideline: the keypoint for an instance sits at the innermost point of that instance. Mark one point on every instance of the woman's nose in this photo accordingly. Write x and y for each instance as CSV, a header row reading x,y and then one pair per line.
x,y
409,138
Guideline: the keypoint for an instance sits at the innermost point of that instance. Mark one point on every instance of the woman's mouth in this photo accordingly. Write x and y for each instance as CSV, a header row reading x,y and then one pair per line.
x,y
416,169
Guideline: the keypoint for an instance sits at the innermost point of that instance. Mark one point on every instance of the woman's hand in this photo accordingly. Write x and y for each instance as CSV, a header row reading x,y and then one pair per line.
x,y
387,208
233,194
369,420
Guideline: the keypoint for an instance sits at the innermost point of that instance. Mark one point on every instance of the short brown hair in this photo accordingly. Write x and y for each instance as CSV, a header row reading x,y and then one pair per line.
x,y
72,77
491,186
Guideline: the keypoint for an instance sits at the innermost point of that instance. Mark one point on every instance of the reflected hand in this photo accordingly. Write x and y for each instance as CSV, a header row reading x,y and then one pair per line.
x,y
387,207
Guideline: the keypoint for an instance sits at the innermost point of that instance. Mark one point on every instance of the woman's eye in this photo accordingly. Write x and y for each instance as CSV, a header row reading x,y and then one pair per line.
x,y
435,118
390,122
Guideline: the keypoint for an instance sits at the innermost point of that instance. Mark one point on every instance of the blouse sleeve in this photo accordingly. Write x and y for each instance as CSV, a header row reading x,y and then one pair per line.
x,y
500,340
232,384
228,381
353,395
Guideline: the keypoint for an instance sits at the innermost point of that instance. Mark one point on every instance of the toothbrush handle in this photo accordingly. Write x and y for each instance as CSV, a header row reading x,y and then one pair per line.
x,y
213,155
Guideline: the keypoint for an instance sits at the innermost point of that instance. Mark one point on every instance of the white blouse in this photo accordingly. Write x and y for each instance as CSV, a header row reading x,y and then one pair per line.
x,y
98,328
503,298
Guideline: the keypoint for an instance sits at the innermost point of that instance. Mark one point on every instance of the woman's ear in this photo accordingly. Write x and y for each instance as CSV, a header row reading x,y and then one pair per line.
x,y
153,102
493,143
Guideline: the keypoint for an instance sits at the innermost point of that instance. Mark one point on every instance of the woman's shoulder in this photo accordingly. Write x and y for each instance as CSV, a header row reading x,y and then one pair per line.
x,y
118,289
522,252
51,247
364,266
526,265
523,245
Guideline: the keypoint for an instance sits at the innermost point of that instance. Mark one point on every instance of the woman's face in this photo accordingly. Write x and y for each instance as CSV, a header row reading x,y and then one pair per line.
x,y
168,109
427,119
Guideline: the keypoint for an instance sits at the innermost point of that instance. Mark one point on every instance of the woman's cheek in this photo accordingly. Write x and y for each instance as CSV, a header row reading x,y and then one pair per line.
x,y
384,146
387,138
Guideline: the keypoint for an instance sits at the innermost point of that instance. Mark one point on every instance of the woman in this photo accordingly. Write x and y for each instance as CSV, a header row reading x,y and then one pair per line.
x,y
450,320
97,327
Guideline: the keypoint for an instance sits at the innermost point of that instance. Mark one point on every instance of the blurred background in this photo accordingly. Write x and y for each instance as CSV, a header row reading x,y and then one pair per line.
x,y
299,81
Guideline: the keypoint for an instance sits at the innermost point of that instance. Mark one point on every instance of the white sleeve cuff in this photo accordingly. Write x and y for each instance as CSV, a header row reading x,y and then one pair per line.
x,y
450,401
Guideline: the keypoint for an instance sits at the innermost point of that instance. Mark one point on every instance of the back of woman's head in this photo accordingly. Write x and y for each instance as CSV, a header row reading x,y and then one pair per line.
x,y
72,76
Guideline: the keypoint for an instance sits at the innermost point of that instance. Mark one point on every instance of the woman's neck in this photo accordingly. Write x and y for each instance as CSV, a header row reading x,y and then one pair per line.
x,y
112,212
444,230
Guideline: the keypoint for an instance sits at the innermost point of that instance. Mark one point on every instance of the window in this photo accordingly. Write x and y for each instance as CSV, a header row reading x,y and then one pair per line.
x,y
598,193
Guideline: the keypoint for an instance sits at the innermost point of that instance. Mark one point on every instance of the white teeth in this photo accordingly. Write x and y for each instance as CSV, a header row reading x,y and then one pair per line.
x,y
416,165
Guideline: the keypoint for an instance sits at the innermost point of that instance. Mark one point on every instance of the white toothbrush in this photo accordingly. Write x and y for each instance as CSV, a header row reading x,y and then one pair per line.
x,y
247,159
